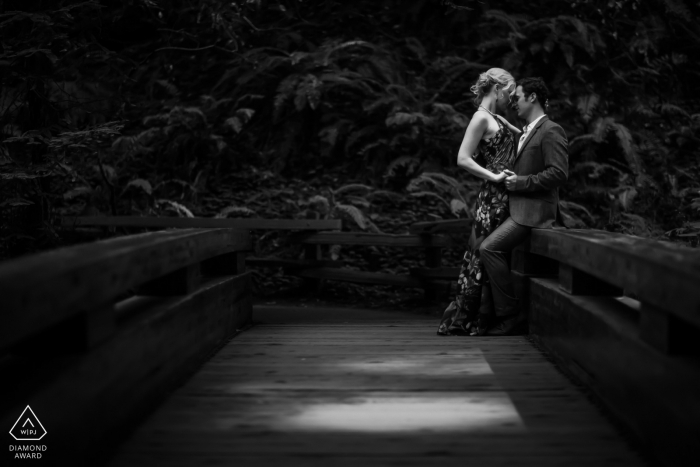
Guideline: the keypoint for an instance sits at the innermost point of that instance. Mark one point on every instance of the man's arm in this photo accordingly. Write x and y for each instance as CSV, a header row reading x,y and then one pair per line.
x,y
556,161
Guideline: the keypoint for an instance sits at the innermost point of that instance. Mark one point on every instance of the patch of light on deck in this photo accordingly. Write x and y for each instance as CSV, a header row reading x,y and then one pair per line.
x,y
429,367
435,412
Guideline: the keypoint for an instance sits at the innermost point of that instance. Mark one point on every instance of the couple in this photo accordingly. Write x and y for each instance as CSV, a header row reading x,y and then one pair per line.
x,y
522,172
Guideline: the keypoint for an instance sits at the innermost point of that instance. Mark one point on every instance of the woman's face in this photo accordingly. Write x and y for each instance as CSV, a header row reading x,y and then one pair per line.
x,y
503,98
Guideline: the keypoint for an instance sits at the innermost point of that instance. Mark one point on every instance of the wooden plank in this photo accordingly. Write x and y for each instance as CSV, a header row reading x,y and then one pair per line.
x,y
41,290
577,282
273,262
525,262
205,222
453,226
659,273
360,277
596,339
120,381
372,239
370,401
444,273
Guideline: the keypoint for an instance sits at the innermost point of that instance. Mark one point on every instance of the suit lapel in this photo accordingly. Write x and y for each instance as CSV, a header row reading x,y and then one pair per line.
x,y
529,137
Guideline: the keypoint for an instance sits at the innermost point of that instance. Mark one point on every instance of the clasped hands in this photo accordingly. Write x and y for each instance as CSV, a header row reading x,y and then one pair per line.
x,y
508,177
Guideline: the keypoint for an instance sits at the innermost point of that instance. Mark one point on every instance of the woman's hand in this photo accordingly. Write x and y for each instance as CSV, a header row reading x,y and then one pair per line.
x,y
498,178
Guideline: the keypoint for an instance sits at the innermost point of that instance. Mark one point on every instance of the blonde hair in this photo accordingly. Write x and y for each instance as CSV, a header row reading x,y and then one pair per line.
x,y
489,79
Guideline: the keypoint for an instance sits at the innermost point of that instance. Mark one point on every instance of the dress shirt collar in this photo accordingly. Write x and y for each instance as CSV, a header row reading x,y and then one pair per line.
x,y
527,128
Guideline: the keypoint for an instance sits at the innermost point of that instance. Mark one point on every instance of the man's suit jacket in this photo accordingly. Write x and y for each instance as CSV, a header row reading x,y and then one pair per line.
x,y
542,166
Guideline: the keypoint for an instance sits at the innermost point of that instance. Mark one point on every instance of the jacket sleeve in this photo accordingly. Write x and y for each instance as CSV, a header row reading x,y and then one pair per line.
x,y
555,151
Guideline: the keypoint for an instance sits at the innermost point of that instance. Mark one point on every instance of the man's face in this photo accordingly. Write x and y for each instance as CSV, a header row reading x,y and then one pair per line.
x,y
521,104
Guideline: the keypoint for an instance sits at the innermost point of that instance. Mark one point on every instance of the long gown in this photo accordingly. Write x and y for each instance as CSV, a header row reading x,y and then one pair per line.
x,y
474,291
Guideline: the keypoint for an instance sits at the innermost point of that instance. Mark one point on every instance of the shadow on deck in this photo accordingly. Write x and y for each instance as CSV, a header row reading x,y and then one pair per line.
x,y
325,387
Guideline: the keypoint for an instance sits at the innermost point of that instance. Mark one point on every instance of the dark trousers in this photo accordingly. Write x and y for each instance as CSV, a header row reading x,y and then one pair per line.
x,y
495,252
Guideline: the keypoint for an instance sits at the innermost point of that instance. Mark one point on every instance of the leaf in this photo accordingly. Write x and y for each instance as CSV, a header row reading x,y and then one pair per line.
x,y
352,187
457,206
81,190
320,203
238,210
586,105
352,213
626,197
145,185
181,210
16,202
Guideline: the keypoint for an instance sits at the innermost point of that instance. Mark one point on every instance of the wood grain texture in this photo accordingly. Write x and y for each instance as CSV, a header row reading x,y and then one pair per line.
x,y
44,289
598,339
382,394
204,223
87,401
372,239
454,226
659,273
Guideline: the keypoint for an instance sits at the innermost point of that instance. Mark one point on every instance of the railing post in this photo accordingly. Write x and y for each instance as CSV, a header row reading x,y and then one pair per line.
x,y
312,253
433,259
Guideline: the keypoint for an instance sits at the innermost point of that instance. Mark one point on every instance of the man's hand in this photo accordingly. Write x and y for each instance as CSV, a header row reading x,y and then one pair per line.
x,y
510,180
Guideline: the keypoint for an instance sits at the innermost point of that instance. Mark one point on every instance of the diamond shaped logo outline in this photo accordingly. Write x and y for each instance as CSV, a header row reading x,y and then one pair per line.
x,y
22,416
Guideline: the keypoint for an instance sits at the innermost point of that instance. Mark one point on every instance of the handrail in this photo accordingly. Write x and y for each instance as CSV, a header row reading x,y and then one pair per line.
x,y
203,222
661,274
44,289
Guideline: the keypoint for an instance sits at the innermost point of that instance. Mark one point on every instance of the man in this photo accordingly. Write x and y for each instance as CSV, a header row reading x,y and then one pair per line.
x,y
541,167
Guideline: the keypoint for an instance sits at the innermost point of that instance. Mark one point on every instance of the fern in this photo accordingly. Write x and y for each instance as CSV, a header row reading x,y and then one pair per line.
x,y
408,163
237,210
586,105
352,213
321,204
353,187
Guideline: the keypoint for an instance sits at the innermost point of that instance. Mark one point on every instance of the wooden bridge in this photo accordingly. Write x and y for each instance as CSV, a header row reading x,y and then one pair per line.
x,y
146,350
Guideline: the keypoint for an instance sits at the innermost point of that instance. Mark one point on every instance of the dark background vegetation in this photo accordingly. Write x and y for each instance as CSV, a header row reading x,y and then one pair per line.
x,y
317,109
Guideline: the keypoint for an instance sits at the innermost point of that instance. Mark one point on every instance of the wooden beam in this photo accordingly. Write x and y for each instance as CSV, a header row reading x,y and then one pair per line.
x,y
372,239
659,273
577,282
360,277
273,262
454,226
111,388
204,222
42,290
596,339
443,273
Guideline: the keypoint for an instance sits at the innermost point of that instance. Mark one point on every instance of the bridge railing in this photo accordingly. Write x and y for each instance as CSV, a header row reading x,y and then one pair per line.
x,y
622,314
92,336
312,235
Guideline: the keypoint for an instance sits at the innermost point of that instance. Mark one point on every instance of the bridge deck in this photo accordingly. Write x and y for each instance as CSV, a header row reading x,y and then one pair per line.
x,y
379,389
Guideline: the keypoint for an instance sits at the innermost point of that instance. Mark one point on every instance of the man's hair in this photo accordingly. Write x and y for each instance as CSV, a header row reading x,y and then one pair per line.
x,y
536,85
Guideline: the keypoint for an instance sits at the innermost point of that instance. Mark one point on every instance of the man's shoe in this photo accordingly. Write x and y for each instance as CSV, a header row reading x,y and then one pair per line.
x,y
483,322
512,325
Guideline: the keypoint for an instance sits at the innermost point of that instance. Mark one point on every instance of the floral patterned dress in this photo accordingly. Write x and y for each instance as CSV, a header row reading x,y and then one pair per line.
x,y
474,291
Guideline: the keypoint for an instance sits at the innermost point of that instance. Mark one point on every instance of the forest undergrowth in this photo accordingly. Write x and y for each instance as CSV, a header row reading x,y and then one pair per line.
x,y
309,109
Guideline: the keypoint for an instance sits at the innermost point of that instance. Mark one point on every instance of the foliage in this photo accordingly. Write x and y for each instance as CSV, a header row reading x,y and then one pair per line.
x,y
154,107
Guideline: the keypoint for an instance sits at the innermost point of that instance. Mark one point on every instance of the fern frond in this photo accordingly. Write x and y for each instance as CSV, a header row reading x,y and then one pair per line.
x,y
285,90
352,187
352,213
410,163
238,210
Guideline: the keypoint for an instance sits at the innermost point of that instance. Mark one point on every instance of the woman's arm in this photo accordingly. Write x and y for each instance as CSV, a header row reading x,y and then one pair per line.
x,y
475,130
513,129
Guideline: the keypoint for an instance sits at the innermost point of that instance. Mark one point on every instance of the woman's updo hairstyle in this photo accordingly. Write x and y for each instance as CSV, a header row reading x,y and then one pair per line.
x,y
490,78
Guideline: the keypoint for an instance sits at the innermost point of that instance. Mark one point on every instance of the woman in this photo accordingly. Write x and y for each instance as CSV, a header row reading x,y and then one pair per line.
x,y
490,137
